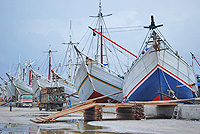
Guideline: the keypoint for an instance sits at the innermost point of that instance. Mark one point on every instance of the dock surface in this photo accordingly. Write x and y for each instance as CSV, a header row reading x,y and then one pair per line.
x,y
22,116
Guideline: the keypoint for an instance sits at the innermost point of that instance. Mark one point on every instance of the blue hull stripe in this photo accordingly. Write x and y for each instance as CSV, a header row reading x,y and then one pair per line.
x,y
156,83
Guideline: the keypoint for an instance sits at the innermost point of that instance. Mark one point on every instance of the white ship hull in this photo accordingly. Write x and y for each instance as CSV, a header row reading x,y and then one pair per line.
x,y
19,86
92,82
158,72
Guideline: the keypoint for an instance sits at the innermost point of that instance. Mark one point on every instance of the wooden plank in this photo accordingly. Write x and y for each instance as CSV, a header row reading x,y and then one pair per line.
x,y
99,97
39,119
80,107
75,110
164,102
167,104
50,116
160,103
69,111
107,106
45,118
35,121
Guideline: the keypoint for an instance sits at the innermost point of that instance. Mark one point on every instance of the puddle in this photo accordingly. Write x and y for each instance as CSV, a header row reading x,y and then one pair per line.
x,y
70,124
70,127
44,115
16,128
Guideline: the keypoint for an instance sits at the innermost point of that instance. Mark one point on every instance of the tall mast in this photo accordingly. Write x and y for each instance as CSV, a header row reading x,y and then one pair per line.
x,y
70,52
100,24
49,74
25,71
100,19
30,67
19,67
49,52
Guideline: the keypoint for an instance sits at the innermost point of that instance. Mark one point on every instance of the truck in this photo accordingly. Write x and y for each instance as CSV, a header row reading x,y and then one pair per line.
x,y
24,100
52,98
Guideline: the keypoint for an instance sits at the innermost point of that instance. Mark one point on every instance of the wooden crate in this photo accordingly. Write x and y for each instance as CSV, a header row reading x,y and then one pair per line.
x,y
52,94
93,114
130,112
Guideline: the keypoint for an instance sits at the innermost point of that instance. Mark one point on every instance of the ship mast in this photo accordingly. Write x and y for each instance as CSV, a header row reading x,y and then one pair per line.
x,y
158,37
50,53
25,72
71,44
19,68
100,17
30,69
49,74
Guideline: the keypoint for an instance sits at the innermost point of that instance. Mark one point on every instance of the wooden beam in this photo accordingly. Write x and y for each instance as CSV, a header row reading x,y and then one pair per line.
x,y
80,107
163,102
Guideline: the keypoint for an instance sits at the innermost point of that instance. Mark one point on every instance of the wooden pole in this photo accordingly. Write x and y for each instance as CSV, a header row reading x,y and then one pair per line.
x,y
113,42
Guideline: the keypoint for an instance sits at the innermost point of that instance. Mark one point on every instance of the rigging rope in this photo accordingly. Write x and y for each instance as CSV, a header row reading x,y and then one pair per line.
x,y
113,48
86,33
143,42
124,27
163,37
126,30
45,71
53,62
114,55
64,61
166,81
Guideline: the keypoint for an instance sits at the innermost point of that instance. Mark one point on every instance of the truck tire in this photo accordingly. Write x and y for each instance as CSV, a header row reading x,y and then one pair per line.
x,y
46,107
59,109
40,108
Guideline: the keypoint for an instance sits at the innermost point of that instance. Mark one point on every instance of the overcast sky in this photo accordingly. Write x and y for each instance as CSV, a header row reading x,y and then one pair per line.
x,y
28,27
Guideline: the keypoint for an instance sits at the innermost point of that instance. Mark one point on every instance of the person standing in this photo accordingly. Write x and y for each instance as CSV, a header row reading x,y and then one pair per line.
x,y
69,104
10,106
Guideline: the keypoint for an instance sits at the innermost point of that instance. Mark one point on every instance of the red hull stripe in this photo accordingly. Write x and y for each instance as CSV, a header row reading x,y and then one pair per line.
x,y
142,79
151,72
174,75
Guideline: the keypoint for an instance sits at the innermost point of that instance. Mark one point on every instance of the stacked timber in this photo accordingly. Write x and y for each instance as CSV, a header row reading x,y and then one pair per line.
x,y
93,114
52,94
130,111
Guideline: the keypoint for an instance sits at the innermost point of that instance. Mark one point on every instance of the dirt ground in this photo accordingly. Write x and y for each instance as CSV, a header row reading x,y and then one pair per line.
x,y
18,121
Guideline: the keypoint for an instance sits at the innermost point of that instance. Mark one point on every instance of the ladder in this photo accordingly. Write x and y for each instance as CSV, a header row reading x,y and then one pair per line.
x,y
176,113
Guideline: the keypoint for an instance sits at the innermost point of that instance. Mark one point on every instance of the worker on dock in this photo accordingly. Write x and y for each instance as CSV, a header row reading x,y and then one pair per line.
x,y
10,106
69,103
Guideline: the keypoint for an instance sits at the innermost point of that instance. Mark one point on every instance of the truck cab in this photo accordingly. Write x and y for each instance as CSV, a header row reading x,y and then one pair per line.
x,y
25,100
